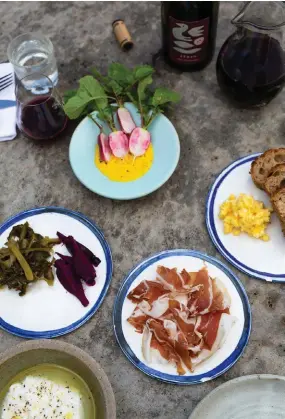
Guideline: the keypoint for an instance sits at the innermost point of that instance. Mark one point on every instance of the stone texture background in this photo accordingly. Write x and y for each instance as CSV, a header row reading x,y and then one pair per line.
x,y
212,134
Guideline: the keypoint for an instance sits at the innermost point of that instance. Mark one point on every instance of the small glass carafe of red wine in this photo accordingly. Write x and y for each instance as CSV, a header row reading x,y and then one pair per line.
x,y
40,114
251,63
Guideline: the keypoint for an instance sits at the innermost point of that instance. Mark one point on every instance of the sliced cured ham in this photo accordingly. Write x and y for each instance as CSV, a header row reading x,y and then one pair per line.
x,y
171,328
173,280
221,297
185,333
146,342
183,317
175,333
168,347
201,300
167,352
187,328
169,278
211,295
138,320
156,309
207,327
225,324
147,290
185,357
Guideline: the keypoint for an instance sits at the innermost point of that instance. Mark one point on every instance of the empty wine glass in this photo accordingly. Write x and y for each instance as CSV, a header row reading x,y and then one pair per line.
x,y
40,113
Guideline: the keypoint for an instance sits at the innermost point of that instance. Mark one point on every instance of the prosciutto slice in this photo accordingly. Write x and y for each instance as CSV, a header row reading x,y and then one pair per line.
x,y
186,334
174,281
207,328
168,352
156,309
201,300
221,297
147,290
169,348
213,328
138,320
210,296
184,318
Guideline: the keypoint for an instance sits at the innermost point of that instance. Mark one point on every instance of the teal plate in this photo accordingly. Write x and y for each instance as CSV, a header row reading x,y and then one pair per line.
x,y
166,147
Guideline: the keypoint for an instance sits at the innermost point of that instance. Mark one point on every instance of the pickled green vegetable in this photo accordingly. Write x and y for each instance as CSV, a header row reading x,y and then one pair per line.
x,y
26,258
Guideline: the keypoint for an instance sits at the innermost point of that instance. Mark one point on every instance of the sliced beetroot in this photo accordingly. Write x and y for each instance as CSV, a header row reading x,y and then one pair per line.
x,y
119,144
90,282
104,148
68,242
139,141
66,258
126,121
93,259
69,280
70,261
83,267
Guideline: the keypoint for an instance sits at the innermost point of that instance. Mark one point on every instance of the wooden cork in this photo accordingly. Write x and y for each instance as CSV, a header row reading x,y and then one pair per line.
x,y
122,35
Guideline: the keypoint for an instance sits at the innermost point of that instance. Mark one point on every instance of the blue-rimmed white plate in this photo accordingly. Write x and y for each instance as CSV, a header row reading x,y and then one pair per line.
x,y
256,258
49,311
166,148
224,358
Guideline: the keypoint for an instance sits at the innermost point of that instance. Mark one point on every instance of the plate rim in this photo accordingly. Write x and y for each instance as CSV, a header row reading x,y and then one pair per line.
x,y
135,196
176,379
250,377
210,224
48,334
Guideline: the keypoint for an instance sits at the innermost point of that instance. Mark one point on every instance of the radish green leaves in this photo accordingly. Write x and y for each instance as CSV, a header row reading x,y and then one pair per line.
x,y
97,92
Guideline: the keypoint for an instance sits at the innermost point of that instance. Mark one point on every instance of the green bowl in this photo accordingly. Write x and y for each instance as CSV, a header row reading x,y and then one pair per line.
x,y
30,354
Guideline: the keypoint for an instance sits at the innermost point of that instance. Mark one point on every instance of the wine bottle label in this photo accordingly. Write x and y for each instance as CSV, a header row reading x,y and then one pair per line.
x,y
188,40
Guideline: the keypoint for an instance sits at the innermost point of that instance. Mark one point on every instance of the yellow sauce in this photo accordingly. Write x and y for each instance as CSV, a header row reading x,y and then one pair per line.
x,y
126,169
245,214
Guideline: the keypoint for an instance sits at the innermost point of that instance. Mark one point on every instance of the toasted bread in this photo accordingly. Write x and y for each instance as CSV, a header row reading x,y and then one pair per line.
x,y
276,180
278,203
264,165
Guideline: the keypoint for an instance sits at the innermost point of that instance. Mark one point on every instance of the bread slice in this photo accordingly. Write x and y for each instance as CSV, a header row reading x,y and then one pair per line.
x,y
263,166
275,181
278,203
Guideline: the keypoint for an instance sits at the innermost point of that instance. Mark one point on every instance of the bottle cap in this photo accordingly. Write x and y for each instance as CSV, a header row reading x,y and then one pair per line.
x,y
122,35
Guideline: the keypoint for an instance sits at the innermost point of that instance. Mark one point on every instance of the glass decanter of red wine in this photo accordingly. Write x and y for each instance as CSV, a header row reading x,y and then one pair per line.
x,y
251,63
40,113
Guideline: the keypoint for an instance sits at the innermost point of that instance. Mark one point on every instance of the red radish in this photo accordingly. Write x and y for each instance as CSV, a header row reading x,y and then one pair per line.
x,y
119,143
139,141
104,148
126,121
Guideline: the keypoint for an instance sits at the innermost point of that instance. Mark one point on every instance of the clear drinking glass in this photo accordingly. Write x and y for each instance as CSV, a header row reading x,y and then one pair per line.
x,y
33,53
40,113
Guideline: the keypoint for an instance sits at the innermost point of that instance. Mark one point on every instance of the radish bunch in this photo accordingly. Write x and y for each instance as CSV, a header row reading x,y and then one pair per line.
x,y
131,138
101,93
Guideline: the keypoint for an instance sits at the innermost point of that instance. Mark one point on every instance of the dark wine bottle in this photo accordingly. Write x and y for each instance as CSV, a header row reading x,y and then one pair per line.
x,y
189,33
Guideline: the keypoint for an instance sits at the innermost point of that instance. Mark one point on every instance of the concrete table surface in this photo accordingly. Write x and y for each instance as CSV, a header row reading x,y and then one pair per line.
x,y
212,134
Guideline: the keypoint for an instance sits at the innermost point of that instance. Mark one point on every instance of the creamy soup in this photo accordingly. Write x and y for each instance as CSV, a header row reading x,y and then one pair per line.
x,y
49,392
